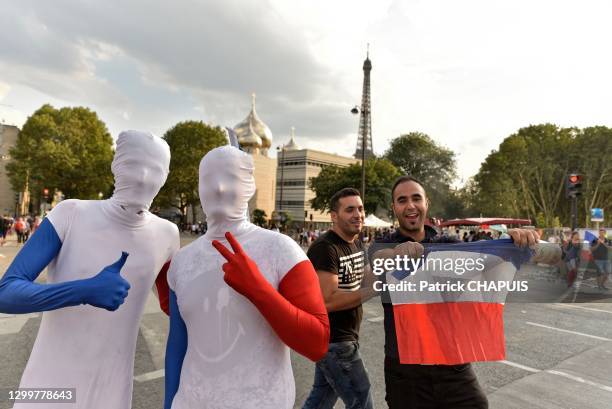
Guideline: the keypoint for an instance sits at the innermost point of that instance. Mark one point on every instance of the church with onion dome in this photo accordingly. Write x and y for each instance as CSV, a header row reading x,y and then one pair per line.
x,y
282,183
255,137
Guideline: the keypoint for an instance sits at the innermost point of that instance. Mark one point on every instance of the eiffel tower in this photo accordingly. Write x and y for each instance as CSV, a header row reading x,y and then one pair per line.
x,y
364,134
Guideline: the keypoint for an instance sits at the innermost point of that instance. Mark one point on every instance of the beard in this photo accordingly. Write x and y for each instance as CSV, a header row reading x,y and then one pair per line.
x,y
416,225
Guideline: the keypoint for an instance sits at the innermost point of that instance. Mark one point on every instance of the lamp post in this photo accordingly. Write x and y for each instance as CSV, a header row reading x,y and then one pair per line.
x,y
281,149
355,111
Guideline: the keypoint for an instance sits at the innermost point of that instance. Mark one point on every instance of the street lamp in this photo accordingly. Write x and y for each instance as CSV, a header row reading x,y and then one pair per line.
x,y
281,149
355,111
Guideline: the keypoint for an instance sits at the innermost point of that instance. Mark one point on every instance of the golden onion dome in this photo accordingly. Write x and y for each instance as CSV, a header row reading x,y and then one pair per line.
x,y
248,137
253,125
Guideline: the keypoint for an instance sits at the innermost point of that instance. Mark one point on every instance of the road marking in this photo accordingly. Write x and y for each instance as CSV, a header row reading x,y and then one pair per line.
x,y
582,308
525,367
559,373
150,376
581,380
568,331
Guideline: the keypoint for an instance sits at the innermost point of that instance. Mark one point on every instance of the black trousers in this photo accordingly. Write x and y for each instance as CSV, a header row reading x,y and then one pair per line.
x,y
432,387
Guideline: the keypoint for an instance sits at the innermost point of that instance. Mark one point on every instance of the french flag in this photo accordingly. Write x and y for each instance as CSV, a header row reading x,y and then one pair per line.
x,y
451,327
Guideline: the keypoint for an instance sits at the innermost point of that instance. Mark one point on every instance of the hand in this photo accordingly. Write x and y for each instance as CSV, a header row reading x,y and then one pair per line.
x,y
524,237
411,249
241,272
547,253
108,289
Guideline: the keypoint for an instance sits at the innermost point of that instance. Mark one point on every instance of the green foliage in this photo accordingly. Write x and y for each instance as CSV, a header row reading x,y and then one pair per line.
x,y
525,177
419,156
189,141
380,175
592,157
259,217
285,219
68,149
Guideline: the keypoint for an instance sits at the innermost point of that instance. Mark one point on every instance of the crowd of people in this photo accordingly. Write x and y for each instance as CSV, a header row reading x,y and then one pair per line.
x,y
577,255
22,227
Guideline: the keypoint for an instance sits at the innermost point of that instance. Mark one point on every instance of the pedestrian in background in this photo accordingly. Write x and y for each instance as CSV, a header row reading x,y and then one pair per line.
x,y
600,248
571,254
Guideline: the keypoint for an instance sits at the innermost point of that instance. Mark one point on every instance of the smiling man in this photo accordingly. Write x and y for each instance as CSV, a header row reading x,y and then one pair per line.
x,y
339,258
434,383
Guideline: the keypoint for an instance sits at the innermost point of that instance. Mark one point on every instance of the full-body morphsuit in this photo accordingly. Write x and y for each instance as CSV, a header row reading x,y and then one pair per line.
x,y
235,313
87,338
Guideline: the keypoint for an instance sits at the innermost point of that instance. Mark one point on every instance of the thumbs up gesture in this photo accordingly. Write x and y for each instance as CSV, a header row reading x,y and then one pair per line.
x,y
241,273
108,289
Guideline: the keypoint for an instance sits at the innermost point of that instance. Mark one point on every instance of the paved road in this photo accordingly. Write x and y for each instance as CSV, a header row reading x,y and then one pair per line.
x,y
559,355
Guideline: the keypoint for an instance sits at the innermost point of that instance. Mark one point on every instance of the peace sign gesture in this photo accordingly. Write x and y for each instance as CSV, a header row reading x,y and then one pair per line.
x,y
241,272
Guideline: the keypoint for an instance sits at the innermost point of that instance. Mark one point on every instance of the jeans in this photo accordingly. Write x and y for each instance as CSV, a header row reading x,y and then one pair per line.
x,y
604,266
340,374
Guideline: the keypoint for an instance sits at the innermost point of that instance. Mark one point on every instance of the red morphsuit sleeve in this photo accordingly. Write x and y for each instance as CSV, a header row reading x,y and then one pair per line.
x,y
163,292
296,311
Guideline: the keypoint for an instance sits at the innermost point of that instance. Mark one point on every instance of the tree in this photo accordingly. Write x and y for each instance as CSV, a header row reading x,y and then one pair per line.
x,y
417,155
592,151
69,149
380,175
285,219
525,177
189,141
259,217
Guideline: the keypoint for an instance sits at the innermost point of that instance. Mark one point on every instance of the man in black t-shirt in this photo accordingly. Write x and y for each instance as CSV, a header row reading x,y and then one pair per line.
x,y
346,282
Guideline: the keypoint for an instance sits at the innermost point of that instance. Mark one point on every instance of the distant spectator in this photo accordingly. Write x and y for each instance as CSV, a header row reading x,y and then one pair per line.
x,y
4,227
20,227
600,249
572,257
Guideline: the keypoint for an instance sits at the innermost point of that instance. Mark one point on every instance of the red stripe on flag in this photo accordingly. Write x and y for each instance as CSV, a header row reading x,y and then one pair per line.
x,y
449,333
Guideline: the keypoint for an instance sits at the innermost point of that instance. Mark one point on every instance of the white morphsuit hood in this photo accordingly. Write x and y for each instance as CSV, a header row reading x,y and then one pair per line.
x,y
226,185
140,166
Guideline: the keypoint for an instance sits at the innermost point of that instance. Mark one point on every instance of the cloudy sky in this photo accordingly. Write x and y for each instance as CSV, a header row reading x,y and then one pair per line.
x,y
468,73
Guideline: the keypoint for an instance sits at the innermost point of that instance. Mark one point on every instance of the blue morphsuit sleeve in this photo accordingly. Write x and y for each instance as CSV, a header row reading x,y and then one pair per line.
x,y
176,348
19,294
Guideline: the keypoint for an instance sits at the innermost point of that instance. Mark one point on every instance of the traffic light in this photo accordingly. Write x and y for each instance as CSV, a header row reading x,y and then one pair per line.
x,y
573,185
46,194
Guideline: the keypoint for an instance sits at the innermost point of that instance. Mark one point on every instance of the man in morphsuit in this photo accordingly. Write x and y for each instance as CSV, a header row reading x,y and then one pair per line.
x,y
235,313
85,340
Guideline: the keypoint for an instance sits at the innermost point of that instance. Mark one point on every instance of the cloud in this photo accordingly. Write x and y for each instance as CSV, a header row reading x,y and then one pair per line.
x,y
466,73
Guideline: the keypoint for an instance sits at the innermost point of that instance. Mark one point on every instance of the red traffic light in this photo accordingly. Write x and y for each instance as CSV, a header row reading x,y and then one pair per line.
x,y
574,178
45,191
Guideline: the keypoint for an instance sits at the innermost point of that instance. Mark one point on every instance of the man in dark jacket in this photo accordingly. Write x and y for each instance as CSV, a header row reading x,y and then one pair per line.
x,y
414,385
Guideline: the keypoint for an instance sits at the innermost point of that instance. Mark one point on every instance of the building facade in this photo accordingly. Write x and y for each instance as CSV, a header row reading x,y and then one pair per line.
x,y
294,170
8,139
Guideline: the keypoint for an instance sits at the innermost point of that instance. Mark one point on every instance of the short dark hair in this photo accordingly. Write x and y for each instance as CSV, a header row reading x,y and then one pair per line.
x,y
346,192
403,179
